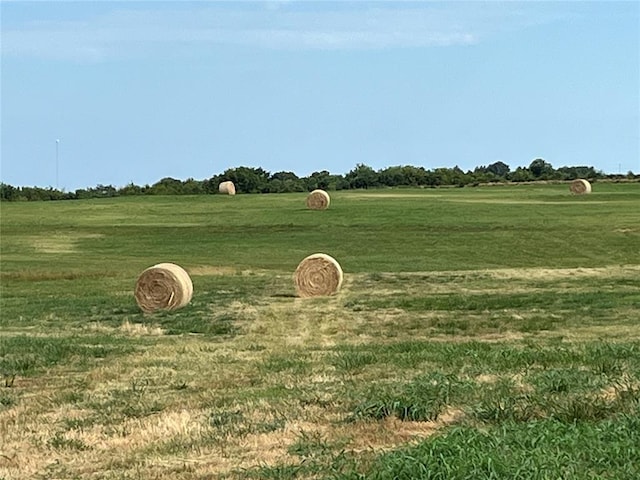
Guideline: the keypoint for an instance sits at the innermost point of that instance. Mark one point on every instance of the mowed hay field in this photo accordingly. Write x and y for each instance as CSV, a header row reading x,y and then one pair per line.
x,y
489,332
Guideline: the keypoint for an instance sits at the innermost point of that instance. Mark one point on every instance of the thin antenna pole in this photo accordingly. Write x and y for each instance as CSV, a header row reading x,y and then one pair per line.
x,y
57,143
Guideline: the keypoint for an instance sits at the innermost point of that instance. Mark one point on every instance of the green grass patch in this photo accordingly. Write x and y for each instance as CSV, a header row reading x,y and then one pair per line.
x,y
479,333
27,356
534,450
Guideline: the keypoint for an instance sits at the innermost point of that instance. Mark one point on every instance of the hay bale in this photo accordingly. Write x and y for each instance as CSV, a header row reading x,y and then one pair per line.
x,y
227,187
164,286
580,187
318,275
318,200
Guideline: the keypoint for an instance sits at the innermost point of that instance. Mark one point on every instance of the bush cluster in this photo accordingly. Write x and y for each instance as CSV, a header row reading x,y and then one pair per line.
x,y
258,180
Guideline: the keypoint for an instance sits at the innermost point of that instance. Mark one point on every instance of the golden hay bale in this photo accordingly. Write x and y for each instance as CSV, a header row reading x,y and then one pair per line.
x,y
165,286
580,187
227,187
318,275
318,200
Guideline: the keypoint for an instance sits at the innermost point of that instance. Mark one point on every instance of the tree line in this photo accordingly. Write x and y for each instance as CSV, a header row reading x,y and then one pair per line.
x,y
258,180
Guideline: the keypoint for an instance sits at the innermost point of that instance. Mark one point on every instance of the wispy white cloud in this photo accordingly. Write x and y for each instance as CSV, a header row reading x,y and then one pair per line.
x,y
126,31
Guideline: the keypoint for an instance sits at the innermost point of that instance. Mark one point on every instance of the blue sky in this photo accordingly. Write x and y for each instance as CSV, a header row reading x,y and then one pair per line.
x,y
139,91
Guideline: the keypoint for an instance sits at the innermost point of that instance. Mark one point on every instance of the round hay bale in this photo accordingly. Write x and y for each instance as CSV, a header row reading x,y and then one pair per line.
x,y
318,275
164,286
227,187
580,187
318,200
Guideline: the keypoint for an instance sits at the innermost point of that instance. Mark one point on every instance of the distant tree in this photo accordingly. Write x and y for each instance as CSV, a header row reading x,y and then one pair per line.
x,y
459,178
211,185
248,179
571,173
392,176
414,175
539,168
99,191
520,174
481,175
283,176
450,176
362,176
8,192
167,186
285,182
320,180
103,191
131,189
405,175
258,180
325,181
341,183
82,193
440,176
192,187
499,169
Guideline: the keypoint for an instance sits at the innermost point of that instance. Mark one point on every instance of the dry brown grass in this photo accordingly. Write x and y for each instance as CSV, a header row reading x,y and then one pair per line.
x,y
60,242
142,444
391,432
212,270
613,271
72,423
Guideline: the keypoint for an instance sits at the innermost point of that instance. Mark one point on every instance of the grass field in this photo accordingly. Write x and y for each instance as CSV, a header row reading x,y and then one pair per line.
x,y
489,332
